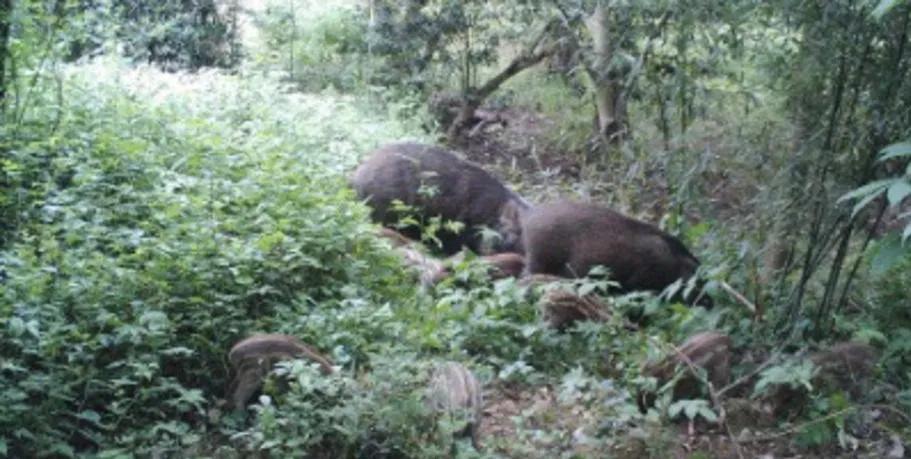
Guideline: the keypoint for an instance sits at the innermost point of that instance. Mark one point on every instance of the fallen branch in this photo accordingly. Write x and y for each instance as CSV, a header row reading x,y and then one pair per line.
x,y
797,428
745,378
738,296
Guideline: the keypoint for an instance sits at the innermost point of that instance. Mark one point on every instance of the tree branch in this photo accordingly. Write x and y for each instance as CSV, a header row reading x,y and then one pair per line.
x,y
531,55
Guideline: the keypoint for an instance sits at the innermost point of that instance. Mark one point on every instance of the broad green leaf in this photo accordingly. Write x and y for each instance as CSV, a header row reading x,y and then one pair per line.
x,y
587,288
61,449
870,188
898,191
695,232
870,335
691,409
16,326
889,251
178,351
675,409
90,416
883,8
895,150
863,203
708,414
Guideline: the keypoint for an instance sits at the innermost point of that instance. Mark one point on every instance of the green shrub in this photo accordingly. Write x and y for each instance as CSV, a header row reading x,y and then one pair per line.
x,y
193,212
381,414
318,46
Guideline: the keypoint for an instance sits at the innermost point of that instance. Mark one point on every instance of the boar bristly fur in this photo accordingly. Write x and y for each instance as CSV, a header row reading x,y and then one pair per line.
x,y
569,238
435,182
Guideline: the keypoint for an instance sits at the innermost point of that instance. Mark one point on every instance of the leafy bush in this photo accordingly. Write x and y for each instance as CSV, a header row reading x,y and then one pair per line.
x,y
319,46
382,414
175,34
174,217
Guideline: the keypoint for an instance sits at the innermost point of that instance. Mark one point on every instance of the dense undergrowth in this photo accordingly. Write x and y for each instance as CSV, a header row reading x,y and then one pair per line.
x,y
172,215
152,220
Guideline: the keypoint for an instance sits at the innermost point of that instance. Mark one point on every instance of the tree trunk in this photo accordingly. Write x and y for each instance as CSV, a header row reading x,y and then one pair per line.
x,y
293,12
6,9
612,121
472,98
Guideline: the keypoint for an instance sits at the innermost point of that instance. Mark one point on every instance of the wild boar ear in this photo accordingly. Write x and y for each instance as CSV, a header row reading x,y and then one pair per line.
x,y
511,214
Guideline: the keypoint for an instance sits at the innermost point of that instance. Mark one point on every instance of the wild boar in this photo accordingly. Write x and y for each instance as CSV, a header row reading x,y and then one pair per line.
x,y
252,359
500,265
561,309
845,367
455,391
709,351
435,182
569,238
503,265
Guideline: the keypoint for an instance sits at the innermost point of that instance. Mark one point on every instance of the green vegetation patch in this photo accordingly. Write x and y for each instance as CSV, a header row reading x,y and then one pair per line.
x,y
172,216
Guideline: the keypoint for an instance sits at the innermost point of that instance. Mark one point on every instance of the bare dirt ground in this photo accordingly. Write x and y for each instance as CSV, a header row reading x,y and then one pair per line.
x,y
519,142
531,422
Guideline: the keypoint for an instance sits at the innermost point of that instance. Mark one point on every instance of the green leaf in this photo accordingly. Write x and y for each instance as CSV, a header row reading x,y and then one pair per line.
x,y
870,335
691,409
708,414
863,203
695,232
870,188
906,233
269,241
883,8
587,288
895,150
675,409
16,326
898,191
177,351
61,449
889,251
90,416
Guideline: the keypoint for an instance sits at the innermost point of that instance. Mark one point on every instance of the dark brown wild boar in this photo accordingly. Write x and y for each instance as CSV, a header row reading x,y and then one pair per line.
x,y
436,182
569,238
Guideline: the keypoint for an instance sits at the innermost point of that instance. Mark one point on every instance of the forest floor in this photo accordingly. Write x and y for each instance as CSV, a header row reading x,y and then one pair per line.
x,y
522,421
529,417
519,143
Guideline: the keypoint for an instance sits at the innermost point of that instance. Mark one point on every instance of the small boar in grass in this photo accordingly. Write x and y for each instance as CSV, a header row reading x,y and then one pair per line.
x,y
434,182
846,367
709,351
253,358
455,391
561,309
